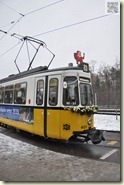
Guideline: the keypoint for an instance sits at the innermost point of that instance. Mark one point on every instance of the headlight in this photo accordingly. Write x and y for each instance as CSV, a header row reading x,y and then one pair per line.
x,y
90,121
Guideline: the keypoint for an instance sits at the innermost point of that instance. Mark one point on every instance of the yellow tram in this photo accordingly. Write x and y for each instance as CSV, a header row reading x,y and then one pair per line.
x,y
55,103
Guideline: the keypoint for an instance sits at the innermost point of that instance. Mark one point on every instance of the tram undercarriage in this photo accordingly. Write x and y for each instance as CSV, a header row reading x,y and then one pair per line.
x,y
96,136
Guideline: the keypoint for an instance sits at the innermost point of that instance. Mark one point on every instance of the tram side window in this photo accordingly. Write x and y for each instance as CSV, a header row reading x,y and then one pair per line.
x,y
1,94
20,93
40,91
8,97
70,91
53,91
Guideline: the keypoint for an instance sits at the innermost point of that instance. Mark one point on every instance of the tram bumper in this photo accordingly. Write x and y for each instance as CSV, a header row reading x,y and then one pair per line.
x,y
96,136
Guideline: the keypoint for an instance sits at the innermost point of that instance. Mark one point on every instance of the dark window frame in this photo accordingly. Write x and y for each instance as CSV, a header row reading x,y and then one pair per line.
x,y
42,98
88,97
2,94
20,99
7,94
53,95
68,92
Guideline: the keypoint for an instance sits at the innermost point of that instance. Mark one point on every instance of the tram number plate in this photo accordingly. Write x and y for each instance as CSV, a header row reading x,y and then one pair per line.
x,y
84,127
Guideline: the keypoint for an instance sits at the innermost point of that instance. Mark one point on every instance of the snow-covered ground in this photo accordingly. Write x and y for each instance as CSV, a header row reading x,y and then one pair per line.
x,y
20,161
107,122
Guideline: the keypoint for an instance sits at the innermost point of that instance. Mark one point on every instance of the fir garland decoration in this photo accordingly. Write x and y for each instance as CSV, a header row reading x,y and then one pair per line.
x,y
85,110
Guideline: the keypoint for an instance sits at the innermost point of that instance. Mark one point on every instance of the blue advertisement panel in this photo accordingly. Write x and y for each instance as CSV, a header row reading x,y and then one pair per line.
x,y
23,114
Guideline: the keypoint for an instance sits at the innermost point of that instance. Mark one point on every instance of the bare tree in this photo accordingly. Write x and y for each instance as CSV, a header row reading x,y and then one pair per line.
x,y
106,84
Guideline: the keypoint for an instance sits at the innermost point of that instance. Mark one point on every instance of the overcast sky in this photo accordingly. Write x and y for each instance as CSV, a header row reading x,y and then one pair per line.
x,y
65,26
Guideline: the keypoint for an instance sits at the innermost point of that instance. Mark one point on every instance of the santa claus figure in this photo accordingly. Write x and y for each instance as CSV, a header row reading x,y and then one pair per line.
x,y
79,59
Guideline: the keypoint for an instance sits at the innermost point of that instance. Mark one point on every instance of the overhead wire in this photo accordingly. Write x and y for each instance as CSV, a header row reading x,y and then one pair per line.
x,y
43,7
11,8
71,25
10,49
12,22
56,29
6,33
23,15
33,11
3,31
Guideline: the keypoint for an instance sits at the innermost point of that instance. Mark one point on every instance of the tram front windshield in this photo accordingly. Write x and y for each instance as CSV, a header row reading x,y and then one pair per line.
x,y
71,92
85,94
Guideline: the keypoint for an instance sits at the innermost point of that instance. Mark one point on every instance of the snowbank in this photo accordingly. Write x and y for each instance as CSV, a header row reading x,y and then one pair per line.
x,y
107,122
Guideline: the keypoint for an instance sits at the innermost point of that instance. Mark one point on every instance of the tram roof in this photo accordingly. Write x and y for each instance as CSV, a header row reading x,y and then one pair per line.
x,y
38,70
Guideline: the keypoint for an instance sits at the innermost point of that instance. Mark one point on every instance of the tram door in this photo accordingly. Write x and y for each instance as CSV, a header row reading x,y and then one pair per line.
x,y
39,108
53,104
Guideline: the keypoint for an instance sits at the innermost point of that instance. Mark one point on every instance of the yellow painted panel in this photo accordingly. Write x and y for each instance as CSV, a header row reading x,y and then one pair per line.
x,y
71,121
17,124
39,122
60,123
53,123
